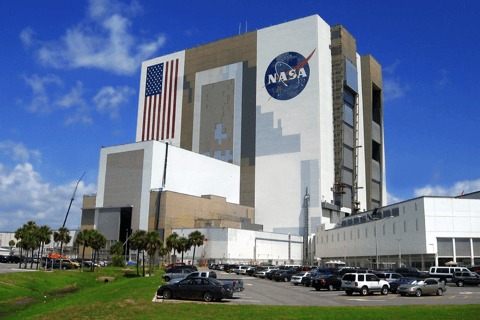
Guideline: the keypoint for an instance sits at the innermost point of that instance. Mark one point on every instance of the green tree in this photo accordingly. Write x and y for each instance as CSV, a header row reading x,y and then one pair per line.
x,y
31,240
11,243
20,235
97,242
44,235
83,238
173,243
153,243
117,249
137,242
62,236
196,239
183,245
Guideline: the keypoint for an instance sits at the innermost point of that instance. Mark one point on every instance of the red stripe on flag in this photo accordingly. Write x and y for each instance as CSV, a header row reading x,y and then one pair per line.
x,y
164,102
153,117
175,99
149,115
144,116
159,112
169,99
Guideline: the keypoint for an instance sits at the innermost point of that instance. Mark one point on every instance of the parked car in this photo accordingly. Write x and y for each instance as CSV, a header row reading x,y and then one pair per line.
x,y
329,282
269,274
445,274
251,270
9,258
466,278
411,273
364,283
284,275
55,264
301,278
196,288
421,287
395,284
241,269
180,274
176,268
389,276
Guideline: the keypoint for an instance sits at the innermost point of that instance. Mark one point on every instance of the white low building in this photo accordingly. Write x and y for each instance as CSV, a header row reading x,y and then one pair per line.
x,y
229,245
421,232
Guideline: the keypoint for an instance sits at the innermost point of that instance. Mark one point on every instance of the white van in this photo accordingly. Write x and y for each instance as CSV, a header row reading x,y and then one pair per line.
x,y
445,274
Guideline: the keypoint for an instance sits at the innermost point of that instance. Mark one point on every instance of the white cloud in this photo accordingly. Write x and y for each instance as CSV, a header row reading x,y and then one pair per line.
x,y
26,36
25,196
113,49
110,100
99,9
468,186
73,100
40,101
391,68
18,152
391,199
393,89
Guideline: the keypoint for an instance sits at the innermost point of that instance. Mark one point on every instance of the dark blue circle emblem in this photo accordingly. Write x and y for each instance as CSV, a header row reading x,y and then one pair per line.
x,y
287,75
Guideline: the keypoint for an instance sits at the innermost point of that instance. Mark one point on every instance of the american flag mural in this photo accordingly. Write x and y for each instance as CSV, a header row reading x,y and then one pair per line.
x,y
160,101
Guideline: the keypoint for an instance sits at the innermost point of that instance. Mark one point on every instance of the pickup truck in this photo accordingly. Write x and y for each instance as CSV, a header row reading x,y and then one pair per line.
x,y
237,284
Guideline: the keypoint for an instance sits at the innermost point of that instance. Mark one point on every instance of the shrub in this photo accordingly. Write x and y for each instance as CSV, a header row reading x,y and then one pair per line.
x,y
117,261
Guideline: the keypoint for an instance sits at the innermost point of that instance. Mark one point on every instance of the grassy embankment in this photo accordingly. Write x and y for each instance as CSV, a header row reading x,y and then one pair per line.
x,y
75,295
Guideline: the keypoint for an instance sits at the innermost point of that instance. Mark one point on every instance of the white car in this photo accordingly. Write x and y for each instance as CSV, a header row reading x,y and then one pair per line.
x,y
241,269
364,283
300,278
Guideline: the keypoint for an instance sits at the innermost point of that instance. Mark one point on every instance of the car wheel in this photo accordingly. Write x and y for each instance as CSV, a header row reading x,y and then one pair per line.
x,y
330,287
167,294
403,294
285,279
296,284
439,292
317,288
167,279
349,292
384,290
418,293
364,291
208,296
307,285
394,291
64,268
460,283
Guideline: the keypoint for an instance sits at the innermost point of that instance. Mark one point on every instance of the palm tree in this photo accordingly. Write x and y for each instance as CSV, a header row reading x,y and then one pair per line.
x,y
20,234
173,243
163,251
11,243
183,245
196,239
62,236
137,242
98,241
83,238
31,238
44,234
153,243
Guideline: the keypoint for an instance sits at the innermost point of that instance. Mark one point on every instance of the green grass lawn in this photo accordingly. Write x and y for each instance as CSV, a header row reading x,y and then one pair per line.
x,y
76,295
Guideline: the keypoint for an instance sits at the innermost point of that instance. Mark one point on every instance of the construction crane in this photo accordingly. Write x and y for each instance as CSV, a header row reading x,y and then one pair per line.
x,y
73,197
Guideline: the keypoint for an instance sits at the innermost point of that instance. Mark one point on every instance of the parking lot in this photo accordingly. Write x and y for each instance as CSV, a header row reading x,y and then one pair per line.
x,y
268,292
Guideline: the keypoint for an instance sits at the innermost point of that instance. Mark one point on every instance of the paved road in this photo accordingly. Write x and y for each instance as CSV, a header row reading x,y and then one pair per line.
x,y
268,292
13,267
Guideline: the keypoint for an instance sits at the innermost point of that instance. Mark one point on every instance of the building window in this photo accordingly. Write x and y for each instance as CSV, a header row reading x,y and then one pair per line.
x,y
405,226
358,233
394,228
343,235
338,237
383,229
332,237
415,206
416,224
366,232
351,235
375,231
322,239
403,209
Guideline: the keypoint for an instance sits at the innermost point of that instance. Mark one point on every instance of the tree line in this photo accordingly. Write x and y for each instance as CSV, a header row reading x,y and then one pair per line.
x,y
32,238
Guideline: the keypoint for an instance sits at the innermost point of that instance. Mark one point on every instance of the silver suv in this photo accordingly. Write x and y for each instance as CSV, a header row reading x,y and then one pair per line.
x,y
364,283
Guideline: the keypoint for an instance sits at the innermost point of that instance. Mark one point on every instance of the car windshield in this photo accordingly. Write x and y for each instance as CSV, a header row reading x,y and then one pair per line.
x,y
415,282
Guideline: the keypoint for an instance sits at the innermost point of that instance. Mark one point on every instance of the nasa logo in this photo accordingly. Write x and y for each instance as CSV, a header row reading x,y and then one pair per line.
x,y
287,75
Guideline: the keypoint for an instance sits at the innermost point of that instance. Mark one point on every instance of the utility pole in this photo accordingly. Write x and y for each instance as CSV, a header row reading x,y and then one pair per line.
x,y
306,200
399,253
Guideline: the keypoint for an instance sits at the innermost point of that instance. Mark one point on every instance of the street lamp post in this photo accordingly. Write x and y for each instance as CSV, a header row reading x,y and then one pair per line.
x,y
399,253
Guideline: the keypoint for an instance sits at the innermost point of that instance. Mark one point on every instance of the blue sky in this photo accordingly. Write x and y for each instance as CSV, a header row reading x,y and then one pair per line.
x,y
71,73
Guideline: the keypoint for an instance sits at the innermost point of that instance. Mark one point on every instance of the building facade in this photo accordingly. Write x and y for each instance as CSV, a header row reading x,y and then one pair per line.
x,y
293,106
422,232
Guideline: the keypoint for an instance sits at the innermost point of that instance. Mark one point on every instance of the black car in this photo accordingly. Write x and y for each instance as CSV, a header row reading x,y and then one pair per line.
x,y
411,273
176,269
269,274
466,278
331,282
284,275
196,288
395,284
9,259
55,264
